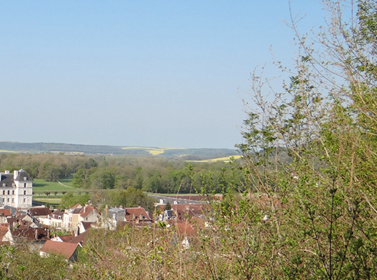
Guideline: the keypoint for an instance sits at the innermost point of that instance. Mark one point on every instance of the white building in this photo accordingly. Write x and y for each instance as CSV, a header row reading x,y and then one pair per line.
x,y
16,189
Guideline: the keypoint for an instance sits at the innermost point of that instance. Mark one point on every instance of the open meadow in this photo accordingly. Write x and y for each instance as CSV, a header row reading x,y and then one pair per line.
x,y
50,192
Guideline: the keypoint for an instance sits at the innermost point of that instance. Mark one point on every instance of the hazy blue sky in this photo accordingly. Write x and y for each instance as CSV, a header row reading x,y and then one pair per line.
x,y
136,73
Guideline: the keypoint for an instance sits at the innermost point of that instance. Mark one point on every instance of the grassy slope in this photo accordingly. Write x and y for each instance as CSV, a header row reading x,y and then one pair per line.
x,y
42,185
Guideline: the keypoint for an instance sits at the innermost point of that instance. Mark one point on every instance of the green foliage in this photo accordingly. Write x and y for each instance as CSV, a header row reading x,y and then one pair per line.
x,y
20,263
167,206
130,197
70,199
327,127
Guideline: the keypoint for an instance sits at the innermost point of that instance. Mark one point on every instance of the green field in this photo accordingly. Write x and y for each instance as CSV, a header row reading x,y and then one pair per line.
x,y
42,185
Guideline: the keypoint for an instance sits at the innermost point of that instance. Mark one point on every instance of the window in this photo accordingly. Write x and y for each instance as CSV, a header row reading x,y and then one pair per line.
x,y
7,199
24,185
24,192
12,200
3,192
8,192
3,199
12,192
24,200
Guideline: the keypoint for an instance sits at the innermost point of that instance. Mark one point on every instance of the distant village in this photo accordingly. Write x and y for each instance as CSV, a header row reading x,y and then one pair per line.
x,y
58,231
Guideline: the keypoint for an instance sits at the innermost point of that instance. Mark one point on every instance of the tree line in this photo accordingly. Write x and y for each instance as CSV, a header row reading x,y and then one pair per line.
x,y
121,172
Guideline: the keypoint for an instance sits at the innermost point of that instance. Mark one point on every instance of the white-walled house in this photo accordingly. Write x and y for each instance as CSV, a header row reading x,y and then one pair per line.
x,y
73,216
16,189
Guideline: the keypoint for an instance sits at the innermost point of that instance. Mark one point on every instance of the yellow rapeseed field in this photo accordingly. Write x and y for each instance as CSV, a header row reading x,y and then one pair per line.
x,y
224,159
152,151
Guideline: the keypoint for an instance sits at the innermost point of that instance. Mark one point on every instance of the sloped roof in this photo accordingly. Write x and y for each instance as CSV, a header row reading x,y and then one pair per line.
x,y
63,248
5,212
192,207
57,213
137,211
87,225
66,238
79,238
76,210
3,231
22,175
30,233
86,210
12,209
40,211
78,205
186,229
6,180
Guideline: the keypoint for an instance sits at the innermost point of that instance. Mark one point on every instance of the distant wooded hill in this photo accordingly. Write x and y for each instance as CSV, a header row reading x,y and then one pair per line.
x,y
183,153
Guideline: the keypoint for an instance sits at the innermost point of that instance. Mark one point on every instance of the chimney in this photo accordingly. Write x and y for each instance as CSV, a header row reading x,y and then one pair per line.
x,y
48,233
36,234
6,171
15,174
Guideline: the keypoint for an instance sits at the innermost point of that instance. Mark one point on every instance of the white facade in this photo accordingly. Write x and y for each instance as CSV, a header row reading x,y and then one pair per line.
x,y
16,189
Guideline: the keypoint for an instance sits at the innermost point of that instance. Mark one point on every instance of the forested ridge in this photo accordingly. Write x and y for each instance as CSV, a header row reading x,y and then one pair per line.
x,y
180,153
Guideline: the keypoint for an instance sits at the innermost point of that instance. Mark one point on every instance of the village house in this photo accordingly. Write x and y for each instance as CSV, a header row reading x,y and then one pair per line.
x,y
66,249
137,215
53,220
73,216
22,219
83,227
16,189
40,212
4,215
26,234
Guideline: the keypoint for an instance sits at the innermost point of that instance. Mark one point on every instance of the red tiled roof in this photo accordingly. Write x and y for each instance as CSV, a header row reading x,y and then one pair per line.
x,y
57,214
64,248
29,233
40,211
3,231
193,207
87,225
78,205
66,238
86,210
5,212
186,229
137,211
79,238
